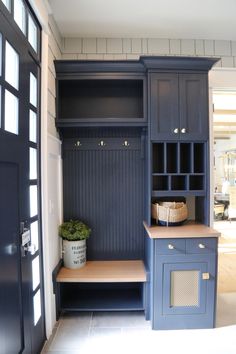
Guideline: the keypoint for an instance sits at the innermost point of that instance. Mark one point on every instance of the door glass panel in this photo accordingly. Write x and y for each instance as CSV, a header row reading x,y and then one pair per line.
x,y
33,163
33,127
35,272
33,201
34,235
11,66
33,90
7,3
19,14
184,288
11,112
32,33
37,307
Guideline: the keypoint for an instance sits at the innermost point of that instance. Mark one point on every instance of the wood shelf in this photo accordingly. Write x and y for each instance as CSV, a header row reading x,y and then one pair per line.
x,y
105,272
188,230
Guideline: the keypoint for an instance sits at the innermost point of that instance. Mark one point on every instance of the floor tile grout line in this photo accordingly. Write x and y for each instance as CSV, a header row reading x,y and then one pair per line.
x,y
90,324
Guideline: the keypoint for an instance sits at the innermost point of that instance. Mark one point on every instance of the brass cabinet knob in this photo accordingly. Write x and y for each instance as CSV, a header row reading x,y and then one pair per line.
x,y
205,276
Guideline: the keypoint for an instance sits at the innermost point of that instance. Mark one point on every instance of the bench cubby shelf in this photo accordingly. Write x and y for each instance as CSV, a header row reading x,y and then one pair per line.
x,y
101,285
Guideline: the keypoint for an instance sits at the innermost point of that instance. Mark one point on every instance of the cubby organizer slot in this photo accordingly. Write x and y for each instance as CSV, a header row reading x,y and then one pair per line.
x,y
106,297
158,157
178,183
160,183
199,158
172,157
185,157
178,166
100,99
196,182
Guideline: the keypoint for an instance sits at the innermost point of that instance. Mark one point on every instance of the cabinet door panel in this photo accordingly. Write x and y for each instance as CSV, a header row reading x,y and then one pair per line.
x,y
193,106
184,290
164,106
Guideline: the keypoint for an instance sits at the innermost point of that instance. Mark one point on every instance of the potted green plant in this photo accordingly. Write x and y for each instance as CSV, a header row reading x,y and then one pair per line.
x,y
74,234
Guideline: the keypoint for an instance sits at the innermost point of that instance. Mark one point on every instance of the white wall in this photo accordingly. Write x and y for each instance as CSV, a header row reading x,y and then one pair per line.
x,y
54,52
132,48
51,171
50,156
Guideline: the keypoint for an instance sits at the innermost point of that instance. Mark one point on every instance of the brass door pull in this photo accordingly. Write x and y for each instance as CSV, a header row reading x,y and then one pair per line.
x,y
205,276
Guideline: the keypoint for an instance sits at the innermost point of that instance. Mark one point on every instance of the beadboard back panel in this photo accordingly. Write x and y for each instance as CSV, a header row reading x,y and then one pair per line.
x,y
104,186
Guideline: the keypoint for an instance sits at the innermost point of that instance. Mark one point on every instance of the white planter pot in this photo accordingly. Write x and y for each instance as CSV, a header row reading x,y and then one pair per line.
x,y
74,254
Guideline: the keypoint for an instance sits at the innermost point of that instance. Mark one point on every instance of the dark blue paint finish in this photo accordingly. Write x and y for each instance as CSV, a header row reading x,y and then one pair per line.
x,y
104,186
183,310
195,245
102,297
10,277
16,295
162,246
181,64
201,316
178,108
108,99
112,188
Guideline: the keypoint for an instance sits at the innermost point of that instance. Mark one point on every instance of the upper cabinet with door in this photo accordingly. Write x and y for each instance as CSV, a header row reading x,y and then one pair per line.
x,y
178,91
179,106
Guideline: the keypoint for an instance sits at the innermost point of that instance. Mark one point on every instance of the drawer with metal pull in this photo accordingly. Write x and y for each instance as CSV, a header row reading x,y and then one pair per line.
x,y
201,245
170,246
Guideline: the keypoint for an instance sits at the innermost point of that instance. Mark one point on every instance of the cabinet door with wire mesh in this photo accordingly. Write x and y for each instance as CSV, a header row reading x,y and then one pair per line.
x,y
184,291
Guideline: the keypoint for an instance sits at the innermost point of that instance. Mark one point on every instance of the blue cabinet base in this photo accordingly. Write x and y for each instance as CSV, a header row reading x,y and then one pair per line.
x,y
182,322
184,283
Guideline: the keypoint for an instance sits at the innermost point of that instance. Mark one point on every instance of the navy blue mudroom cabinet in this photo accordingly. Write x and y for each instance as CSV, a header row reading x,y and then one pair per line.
x,y
135,133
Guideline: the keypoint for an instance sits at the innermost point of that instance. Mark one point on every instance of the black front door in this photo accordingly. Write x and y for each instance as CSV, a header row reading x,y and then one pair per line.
x,y
10,273
21,292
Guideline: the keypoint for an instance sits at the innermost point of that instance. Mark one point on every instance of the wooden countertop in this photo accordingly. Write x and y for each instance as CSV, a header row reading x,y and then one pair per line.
x,y
188,230
105,272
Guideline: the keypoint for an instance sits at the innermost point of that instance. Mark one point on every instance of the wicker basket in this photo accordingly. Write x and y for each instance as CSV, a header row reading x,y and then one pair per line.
x,y
169,213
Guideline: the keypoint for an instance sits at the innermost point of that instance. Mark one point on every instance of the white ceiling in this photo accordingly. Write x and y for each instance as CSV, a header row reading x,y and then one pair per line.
x,y
186,19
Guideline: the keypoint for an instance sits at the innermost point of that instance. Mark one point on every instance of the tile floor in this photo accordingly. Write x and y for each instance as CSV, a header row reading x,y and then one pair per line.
x,y
128,332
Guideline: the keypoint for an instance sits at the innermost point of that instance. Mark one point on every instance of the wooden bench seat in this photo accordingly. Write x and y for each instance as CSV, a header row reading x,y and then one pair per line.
x,y
104,272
